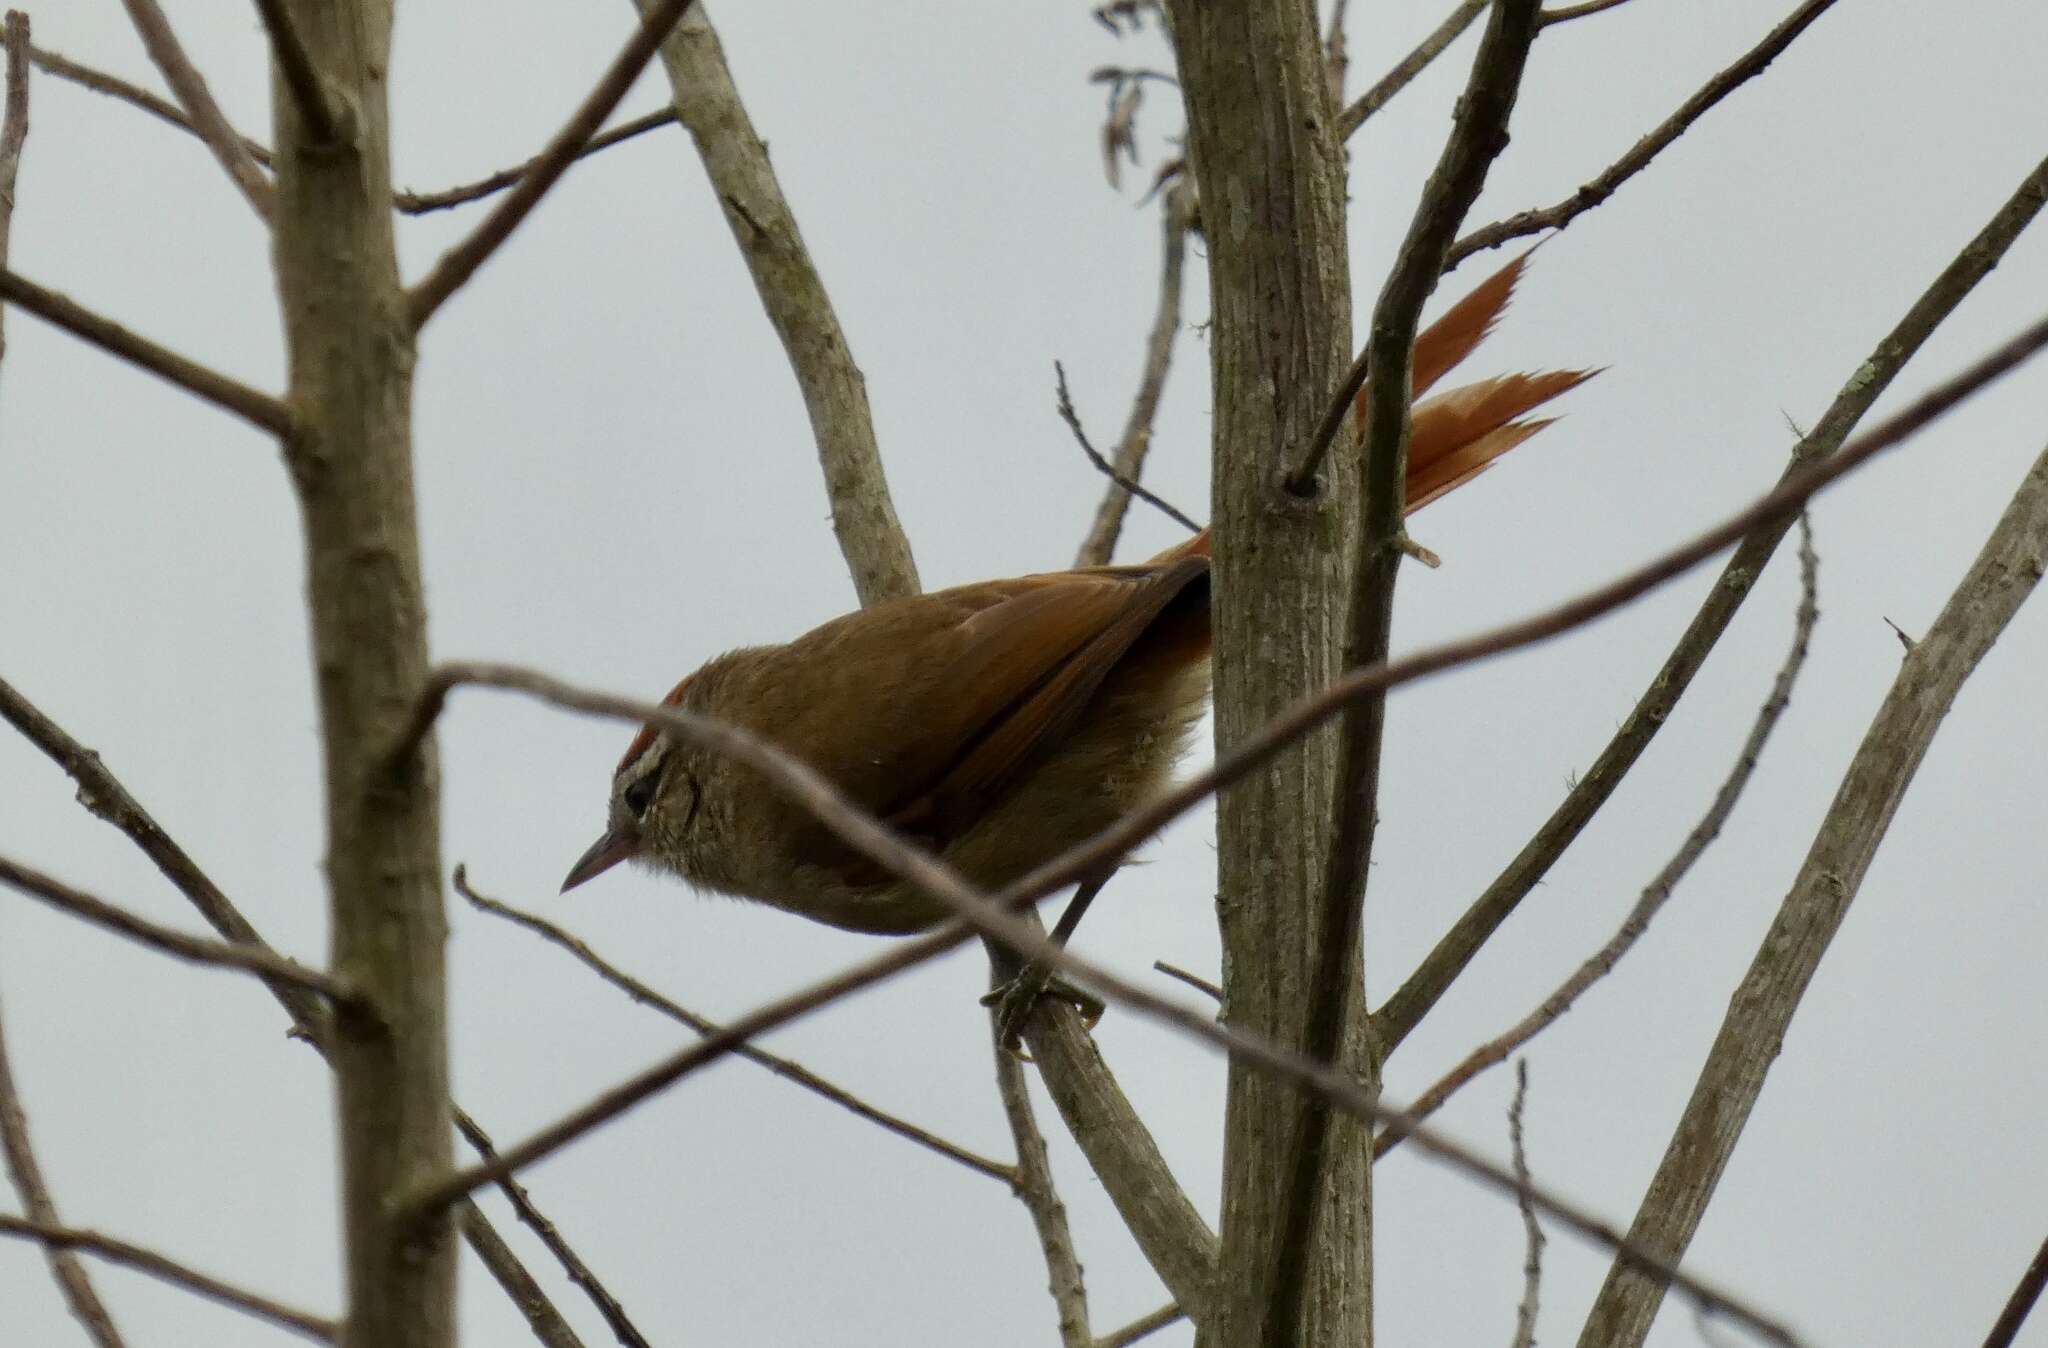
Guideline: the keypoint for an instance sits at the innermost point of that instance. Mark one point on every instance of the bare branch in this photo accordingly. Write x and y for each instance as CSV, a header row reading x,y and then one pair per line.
x,y
1566,13
13,133
1532,1263
990,917
103,795
1336,52
259,960
1649,147
1128,462
309,94
1479,133
1035,1187
1601,963
72,1281
423,203
1120,481
459,263
2004,573
1405,1009
207,118
167,1270
790,1071
1193,980
1411,65
793,296
258,409
2021,1303
1143,1327
113,86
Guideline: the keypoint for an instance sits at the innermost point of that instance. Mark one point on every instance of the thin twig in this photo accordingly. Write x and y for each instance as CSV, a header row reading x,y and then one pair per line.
x,y
794,299
623,1329
257,408
1336,51
1411,65
459,263
1532,1260
113,86
101,793
1456,950
2021,1303
13,133
1649,147
422,203
170,1271
1566,13
790,1071
258,960
1034,1185
991,918
1102,465
1142,1327
1193,980
208,120
65,1266
1128,463
1479,132
309,94
2004,572
1602,961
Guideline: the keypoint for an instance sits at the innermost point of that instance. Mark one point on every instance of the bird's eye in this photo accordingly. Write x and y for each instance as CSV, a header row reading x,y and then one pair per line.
x,y
640,794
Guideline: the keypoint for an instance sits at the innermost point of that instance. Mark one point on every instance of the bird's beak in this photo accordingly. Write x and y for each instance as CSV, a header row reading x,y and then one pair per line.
x,y
615,846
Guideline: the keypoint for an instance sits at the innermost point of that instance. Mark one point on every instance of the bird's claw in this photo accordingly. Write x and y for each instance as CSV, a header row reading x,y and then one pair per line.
x,y
1015,1000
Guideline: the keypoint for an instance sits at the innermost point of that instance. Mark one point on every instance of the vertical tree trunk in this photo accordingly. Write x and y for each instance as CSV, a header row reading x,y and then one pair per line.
x,y
1271,176
351,355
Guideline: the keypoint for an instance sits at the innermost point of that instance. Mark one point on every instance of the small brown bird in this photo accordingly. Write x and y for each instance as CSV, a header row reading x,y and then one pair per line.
x,y
997,724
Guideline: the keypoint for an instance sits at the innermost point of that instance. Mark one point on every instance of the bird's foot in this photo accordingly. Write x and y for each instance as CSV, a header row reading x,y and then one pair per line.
x,y
1015,1000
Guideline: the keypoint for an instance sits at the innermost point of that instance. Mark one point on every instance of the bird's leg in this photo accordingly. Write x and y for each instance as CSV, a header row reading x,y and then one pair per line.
x,y
1021,985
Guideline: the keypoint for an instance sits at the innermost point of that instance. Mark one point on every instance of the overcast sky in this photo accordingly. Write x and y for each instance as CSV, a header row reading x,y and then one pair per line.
x,y
617,481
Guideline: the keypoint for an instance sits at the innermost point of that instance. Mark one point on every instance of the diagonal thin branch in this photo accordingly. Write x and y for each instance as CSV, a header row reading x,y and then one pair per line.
x,y
783,1067
1119,482
1479,133
1456,950
65,1266
1566,13
1532,1261
1034,1186
1602,961
793,296
2004,573
1127,464
13,134
258,409
309,93
1660,137
170,1271
992,918
1411,65
102,794
207,118
259,960
459,263
423,203
1142,1327
2021,1303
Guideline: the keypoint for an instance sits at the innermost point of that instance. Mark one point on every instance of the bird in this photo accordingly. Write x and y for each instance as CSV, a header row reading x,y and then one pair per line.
x,y
997,723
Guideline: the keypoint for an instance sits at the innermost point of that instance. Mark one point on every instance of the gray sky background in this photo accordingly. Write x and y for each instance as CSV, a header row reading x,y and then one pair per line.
x,y
617,481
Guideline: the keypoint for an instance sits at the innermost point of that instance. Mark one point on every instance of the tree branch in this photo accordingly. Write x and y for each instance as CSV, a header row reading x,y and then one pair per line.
x,y
1456,950
170,1271
423,203
258,409
1566,13
459,263
2021,1303
1649,147
1411,65
1127,464
1601,963
1532,1261
2004,573
793,296
257,960
295,67
86,1306
107,799
788,1070
13,135
1142,1327
1122,486
1478,134
207,119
